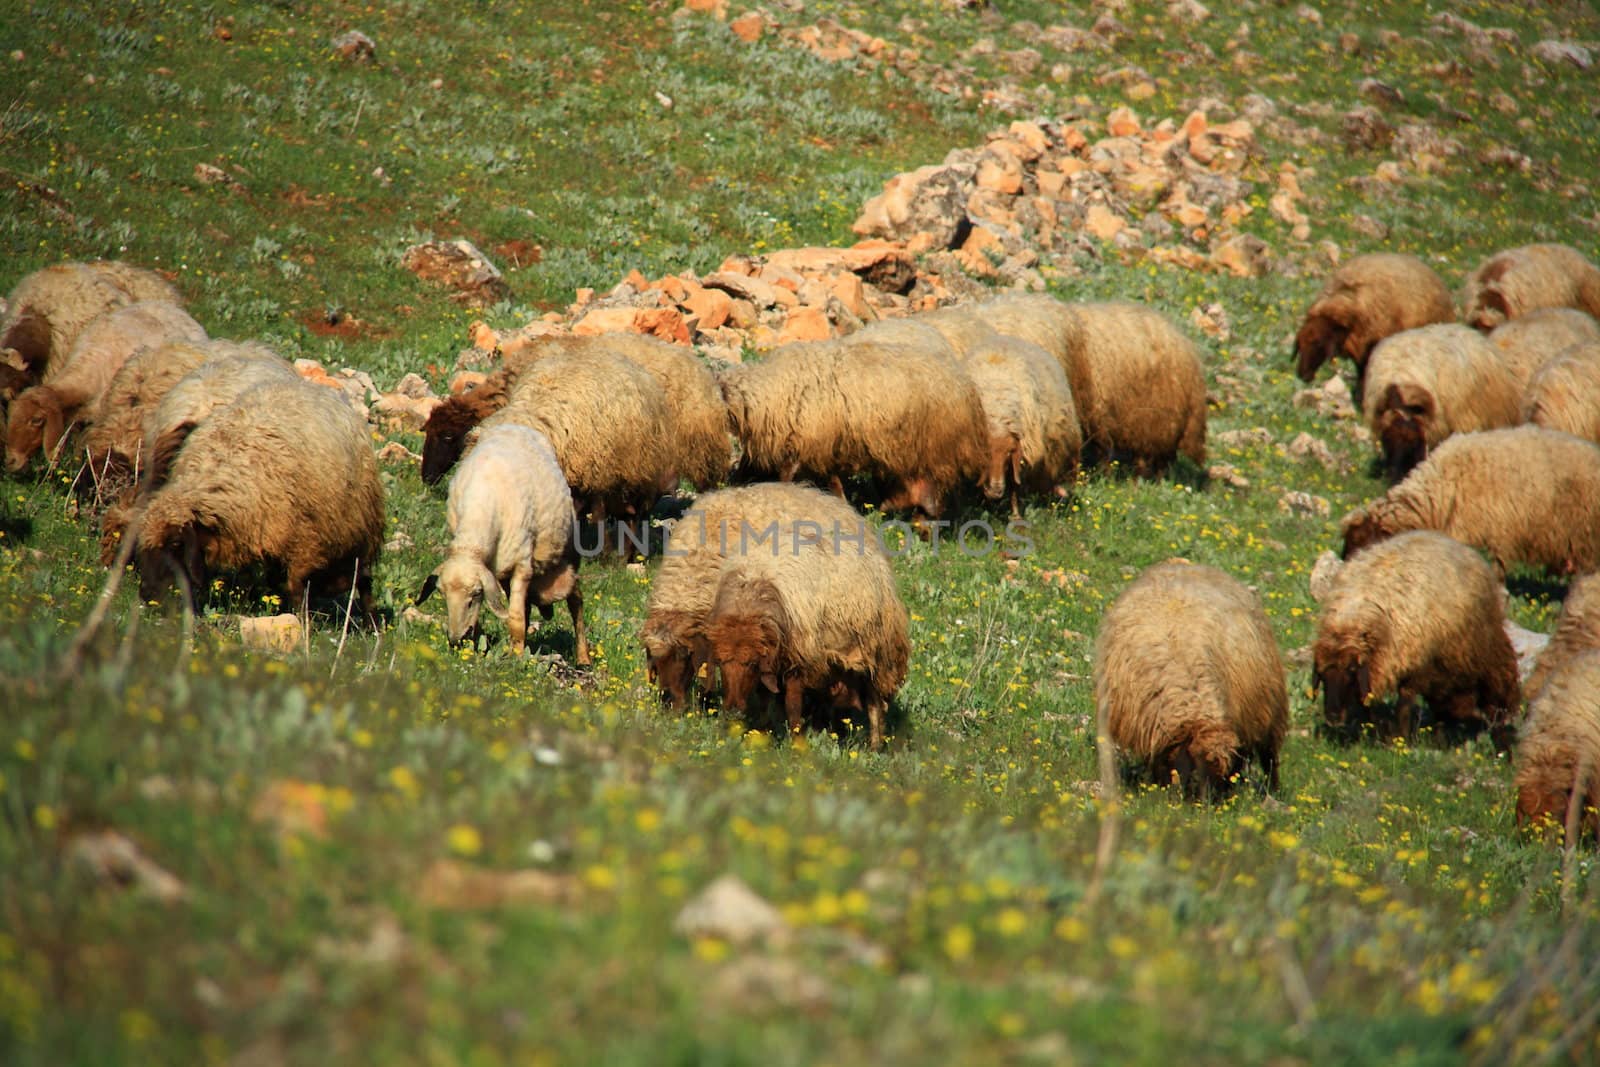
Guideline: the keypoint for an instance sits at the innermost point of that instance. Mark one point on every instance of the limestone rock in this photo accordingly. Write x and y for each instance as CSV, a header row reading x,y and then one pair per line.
x,y
460,266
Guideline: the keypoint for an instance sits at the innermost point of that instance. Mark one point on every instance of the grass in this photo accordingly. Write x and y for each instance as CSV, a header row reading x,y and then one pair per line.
x,y
1381,909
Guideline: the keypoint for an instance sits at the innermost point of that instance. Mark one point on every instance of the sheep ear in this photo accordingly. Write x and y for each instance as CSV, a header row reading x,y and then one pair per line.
x,y
769,680
493,595
429,584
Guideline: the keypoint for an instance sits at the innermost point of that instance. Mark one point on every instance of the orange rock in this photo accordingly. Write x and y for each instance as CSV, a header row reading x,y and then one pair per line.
x,y
709,307
748,27
717,9
1073,139
1000,172
583,296
676,288
850,291
483,336
741,314
1103,222
605,320
1194,125
467,379
775,274
1051,182
806,324
1033,140
1122,122
665,323
639,282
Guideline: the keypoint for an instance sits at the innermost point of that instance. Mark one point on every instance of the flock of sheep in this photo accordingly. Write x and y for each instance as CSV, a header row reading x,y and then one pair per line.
x,y
204,455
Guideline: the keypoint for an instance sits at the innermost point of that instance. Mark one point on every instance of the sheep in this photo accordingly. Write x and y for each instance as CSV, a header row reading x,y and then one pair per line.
x,y
116,428
1034,437
1138,385
1530,341
1188,679
1577,630
1418,616
1523,495
827,410
1044,320
42,415
1512,283
720,524
960,326
698,433
1365,300
285,475
916,332
1425,384
49,308
1558,755
512,524
608,421
816,620
1565,393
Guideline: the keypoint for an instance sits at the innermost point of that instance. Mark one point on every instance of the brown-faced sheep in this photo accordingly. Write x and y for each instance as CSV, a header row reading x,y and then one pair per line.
x,y
512,525
910,419
115,439
1425,384
41,416
1523,495
1512,283
1529,342
1577,630
698,437
49,308
1034,438
1565,393
1418,616
608,421
1138,385
284,475
1188,680
1558,755
1365,300
818,620
730,522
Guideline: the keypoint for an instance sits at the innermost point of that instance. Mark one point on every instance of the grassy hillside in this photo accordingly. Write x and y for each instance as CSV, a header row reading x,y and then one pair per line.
x,y
389,851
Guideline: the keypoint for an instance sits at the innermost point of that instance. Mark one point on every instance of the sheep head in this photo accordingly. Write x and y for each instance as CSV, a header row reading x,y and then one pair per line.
x,y
1320,339
37,420
1004,455
445,432
670,660
745,638
1540,807
1346,684
468,585
1361,528
29,338
1403,422
172,553
1207,762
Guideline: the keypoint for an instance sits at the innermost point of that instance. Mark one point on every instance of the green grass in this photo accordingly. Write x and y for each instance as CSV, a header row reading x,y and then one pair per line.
x,y
1381,910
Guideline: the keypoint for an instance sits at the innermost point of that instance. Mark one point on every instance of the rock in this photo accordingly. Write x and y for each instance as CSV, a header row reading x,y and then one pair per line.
x,y
1228,474
1122,122
1257,436
883,264
279,633
460,266
1381,93
1528,644
1323,573
806,324
999,172
665,323
114,860
1103,223
403,412
1191,11
748,27
709,308
1304,504
730,910
1304,446
1212,320
717,9
1555,53
930,200
761,294
761,984
355,47
206,174
413,386
1243,256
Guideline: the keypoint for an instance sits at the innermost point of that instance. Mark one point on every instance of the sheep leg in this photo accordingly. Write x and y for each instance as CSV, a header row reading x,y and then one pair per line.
x,y
835,486
793,704
875,715
1404,715
1268,758
517,610
581,637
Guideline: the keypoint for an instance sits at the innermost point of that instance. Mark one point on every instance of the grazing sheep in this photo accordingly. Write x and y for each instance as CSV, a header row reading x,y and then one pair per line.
x,y
608,421
726,523
819,620
49,308
115,437
1523,495
1418,616
1044,320
1138,385
1512,283
41,416
698,436
1577,631
1365,300
1188,679
916,332
1425,384
450,424
511,524
826,410
1034,438
1558,756
286,475
1527,343
962,328
1565,393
